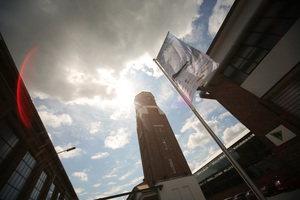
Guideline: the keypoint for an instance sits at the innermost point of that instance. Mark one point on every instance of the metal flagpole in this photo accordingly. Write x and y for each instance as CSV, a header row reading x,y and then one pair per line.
x,y
234,163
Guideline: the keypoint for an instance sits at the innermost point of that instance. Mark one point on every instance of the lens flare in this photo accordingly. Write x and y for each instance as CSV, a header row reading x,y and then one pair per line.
x,y
24,107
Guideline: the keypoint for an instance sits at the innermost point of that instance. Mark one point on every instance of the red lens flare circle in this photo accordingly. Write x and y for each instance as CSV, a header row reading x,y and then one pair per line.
x,y
24,107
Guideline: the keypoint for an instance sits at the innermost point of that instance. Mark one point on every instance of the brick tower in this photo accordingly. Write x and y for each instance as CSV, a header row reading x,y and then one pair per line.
x,y
162,158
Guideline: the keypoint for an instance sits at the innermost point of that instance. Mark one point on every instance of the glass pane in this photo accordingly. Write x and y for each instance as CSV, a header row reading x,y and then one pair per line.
x,y
282,26
257,54
263,25
244,50
236,61
248,66
20,183
4,149
17,180
269,42
253,39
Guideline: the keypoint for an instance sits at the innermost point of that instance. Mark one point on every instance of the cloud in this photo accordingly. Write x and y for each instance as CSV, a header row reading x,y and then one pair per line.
x,y
225,114
232,132
219,13
82,175
79,190
100,155
95,127
111,183
186,153
112,173
77,39
110,176
117,139
126,175
118,188
50,118
199,135
206,153
166,94
97,185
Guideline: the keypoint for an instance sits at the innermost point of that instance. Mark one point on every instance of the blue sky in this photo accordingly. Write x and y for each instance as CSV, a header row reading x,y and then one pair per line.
x,y
91,59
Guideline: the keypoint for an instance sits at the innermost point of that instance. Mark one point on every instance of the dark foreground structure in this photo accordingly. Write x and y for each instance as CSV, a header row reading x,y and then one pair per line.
x,y
258,81
29,165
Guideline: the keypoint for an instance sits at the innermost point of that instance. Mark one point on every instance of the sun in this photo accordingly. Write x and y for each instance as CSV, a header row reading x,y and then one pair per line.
x,y
125,95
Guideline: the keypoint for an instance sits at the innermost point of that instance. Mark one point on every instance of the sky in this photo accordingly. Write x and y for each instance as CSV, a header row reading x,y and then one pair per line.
x,y
83,62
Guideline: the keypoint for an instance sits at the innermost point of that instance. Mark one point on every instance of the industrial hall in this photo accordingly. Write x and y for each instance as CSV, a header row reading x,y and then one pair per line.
x,y
30,167
258,82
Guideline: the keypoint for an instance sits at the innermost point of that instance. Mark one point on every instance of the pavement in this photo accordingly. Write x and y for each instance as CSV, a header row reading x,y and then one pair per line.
x,y
292,195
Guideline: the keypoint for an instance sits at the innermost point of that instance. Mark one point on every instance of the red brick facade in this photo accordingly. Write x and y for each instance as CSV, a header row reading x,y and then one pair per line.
x,y
161,155
260,117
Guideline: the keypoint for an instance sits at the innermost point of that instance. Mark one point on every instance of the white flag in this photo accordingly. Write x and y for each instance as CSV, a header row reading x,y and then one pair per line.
x,y
187,66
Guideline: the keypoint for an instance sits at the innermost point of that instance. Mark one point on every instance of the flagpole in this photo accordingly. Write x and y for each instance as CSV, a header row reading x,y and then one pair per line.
x,y
234,163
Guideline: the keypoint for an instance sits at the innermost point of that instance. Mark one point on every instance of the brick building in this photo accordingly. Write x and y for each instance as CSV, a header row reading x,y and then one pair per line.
x,y
29,165
258,80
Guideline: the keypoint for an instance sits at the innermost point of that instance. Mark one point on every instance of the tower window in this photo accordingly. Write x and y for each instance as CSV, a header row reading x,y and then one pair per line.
x,y
165,144
172,166
158,128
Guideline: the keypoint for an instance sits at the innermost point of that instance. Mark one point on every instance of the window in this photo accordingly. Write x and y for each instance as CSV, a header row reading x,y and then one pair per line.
x,y
264,34
36,191
57,198
66,196
51,190
15,183
165,144
172,166
7,140
158,128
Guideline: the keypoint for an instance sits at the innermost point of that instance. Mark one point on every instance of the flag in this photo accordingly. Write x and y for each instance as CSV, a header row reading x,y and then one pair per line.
x,y
185,65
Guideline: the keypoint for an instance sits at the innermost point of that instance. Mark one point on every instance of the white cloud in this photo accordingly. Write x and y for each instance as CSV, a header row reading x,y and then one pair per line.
x,y
203,155
117,139
52,119
126,175
186,153
219,13
82,175
111,183
232,132
112,173
79,190
100,155
225,114
95,127
110,176
166,93
118,188
198,136
97,185
197,139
